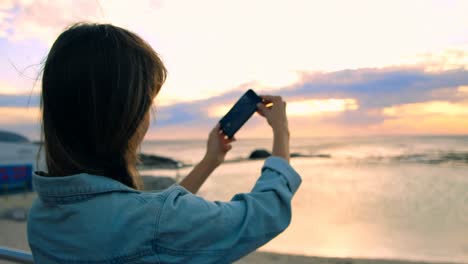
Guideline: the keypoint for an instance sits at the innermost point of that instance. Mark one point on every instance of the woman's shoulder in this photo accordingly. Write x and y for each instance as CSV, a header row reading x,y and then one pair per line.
x,y
160,196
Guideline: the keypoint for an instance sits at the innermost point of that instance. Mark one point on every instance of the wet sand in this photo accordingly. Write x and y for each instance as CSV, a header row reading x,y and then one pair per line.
x,y
13,235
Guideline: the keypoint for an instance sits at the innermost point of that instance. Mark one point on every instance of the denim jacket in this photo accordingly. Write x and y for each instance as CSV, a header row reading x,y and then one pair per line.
x,y
86,218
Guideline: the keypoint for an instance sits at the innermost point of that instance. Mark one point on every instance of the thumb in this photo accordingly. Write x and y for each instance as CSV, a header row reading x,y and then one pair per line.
x,y
216,128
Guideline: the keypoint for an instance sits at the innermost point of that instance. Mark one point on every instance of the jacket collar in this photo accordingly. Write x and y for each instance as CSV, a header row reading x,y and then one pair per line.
x,y
78,184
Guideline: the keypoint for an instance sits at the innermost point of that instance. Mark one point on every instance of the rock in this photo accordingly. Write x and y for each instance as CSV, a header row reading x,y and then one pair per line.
x,y
259,154
455,156
6,136
296,155
16,214
159,161
152,183
327,156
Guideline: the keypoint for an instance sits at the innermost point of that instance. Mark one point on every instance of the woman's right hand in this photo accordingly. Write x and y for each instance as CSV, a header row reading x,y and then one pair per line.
x,y
275,114
276,117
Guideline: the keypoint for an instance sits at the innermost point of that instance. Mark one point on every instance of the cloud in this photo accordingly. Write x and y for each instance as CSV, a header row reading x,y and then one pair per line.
x,y
42,19
320,106
45,19
19,115
209,50
438,124
431,108
362,97
359,101
213,57
19,101
463,90
448,59
7,4
379,87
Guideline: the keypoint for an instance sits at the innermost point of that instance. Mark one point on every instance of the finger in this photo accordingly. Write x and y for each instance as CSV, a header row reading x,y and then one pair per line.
x,y
225,139
262,108
227,147
216,128
269,104
260,113
229,140
221,137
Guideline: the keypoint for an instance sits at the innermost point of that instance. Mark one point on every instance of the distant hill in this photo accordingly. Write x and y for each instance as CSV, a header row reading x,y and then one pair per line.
x,y
6,136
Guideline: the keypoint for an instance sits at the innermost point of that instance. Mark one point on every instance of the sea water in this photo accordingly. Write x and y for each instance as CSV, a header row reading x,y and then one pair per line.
x,y
375,197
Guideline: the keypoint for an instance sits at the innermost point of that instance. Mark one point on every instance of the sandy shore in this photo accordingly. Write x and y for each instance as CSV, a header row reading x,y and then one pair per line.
x,y
13,234
268,257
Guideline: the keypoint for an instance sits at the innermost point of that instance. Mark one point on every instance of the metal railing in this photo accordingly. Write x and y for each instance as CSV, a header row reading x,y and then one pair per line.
x,y
15,255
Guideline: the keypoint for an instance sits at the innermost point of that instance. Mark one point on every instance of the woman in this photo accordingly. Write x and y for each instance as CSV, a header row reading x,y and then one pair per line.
x,y
98,84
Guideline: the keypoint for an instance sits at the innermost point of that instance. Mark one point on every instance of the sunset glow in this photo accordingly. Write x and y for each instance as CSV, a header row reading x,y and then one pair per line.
x,y
428,108
19,115
320,106
340,65
302,108
463,89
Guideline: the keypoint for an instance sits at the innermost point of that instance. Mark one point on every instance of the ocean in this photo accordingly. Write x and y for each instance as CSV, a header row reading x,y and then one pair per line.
x,y
373,197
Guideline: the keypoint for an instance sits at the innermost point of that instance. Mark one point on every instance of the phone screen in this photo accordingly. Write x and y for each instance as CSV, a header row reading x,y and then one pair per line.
x,y
242,110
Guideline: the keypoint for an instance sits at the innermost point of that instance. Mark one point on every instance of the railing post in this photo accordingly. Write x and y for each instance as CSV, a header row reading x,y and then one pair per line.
x,y
15,255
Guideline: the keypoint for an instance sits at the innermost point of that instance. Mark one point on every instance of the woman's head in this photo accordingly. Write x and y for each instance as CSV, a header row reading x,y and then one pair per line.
x,y
98,85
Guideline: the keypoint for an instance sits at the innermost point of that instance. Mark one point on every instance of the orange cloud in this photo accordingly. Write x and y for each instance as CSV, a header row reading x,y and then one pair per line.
x,y
463,89
433,117
427,108
18,87
428,125
19,115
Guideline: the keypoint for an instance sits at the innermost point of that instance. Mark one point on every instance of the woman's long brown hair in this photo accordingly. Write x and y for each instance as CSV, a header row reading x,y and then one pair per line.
x,y
98,85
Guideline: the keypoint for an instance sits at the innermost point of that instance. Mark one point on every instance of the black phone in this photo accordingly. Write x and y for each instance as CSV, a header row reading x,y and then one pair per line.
x,y
242,110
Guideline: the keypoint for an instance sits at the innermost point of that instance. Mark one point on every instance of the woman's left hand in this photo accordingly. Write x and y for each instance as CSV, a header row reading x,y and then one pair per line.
x,y
217,146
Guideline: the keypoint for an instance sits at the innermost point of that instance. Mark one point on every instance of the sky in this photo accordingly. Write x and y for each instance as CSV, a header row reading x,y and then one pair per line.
x,y
345,68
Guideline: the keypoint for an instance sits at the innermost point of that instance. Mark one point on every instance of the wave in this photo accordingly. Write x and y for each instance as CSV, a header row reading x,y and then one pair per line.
x,y
450,158
435,158
431,157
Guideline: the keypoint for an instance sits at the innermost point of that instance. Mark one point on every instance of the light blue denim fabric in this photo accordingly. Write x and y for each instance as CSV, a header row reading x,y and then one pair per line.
x,y
86,218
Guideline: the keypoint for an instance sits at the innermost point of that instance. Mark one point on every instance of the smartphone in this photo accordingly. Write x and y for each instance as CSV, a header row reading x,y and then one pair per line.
x,y
242,110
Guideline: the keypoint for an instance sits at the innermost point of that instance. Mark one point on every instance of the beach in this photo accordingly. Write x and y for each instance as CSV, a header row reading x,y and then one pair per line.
x,y
13,235
362,200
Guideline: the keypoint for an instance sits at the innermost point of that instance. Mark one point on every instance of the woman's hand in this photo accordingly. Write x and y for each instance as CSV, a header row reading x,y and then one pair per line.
x,y
275,114
277,119
217,146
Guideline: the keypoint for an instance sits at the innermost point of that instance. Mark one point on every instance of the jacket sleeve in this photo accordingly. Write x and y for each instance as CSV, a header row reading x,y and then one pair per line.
x,y
191,226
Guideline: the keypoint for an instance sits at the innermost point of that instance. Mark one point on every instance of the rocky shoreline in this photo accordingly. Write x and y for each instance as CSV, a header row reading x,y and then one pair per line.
x,y
149,161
